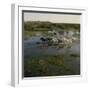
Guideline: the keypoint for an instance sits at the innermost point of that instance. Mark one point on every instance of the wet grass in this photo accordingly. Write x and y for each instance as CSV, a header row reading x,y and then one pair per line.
x,y
29,34
49,66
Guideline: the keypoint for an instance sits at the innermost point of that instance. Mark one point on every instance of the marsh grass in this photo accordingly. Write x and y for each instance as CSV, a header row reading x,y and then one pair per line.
x,y
48,66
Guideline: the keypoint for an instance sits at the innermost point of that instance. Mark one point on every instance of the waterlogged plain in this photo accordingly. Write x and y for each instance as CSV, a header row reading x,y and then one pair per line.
x,y
51,49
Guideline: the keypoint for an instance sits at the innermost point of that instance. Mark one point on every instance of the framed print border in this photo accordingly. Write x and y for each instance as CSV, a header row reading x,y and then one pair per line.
x,y
16,43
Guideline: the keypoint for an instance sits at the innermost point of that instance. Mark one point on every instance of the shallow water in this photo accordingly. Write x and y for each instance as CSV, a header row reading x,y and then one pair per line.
x,y
31,49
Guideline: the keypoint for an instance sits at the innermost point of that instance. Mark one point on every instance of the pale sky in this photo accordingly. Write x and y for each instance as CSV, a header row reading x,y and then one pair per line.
x,y
56,18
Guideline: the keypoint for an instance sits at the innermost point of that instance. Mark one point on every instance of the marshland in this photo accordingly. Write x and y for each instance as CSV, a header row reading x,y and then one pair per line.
x,y
51,49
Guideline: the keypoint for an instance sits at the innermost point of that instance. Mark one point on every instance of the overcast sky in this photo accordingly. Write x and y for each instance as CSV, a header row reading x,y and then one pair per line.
x,y
57,18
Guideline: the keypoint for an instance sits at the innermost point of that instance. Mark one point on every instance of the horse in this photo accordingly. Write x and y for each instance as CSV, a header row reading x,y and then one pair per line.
x,y
67,42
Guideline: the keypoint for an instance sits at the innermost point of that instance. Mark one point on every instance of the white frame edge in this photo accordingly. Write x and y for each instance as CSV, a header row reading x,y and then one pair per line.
x,y
16,43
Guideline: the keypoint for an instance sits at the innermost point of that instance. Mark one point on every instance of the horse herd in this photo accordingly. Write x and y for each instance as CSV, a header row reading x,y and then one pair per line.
x,y
57,42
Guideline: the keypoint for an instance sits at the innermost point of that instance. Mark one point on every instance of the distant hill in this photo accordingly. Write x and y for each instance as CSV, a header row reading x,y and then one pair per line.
x,y
47,26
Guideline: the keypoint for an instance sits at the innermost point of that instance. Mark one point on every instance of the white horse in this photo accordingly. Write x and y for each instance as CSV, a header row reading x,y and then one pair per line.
x,y
55,40
67,42
74,38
